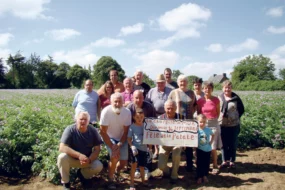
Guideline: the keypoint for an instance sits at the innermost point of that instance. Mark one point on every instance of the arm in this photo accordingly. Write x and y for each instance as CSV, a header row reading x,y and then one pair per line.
x,y
95,154
125,135
70,152
130,141
98,108
212,138
218,110
105,136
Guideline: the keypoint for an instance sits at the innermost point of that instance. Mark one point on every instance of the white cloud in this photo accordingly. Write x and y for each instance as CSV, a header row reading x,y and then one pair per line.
x,y
215,48
207,69
134,29
82,57
25,9
133,51
5,38
275,30
157,59
34,41
248,44
184,16
62,34
275,12
4,54
108,42
179,35
278,58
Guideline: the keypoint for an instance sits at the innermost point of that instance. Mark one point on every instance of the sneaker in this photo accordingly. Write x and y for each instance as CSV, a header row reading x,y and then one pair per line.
x,y
86,183
66,186
111,185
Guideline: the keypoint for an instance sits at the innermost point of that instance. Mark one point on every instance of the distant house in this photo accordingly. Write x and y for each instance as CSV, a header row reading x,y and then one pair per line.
x,y
216,79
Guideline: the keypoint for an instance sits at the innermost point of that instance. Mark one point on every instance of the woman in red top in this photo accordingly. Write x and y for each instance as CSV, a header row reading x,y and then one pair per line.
x,y
209,105
105,97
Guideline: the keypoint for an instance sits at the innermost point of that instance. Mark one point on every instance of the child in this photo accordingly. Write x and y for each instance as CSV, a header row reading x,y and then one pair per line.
x,y
203,152
139,150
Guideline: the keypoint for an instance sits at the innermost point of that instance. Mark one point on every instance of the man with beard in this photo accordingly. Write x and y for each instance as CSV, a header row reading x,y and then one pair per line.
x,y
80,148
114,126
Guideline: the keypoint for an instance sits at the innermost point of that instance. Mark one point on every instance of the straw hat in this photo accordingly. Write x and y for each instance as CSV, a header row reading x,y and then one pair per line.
x,y
160,78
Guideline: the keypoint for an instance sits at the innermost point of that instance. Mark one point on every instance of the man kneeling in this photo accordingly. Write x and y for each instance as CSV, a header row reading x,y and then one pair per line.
x,y
80,148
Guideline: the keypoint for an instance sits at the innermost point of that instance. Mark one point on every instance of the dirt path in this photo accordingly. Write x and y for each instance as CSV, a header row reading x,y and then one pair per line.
x,y
256,169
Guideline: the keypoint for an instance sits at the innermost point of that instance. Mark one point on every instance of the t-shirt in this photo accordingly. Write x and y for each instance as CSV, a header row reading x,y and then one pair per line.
x,y
186,102
208,107
147,107
127,96
157,99
115,122
81,142
142,87
86,101
136,133
104,101
172,85
204,138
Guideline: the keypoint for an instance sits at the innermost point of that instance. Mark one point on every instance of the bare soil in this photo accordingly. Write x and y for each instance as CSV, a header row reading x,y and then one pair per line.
x,y
263,168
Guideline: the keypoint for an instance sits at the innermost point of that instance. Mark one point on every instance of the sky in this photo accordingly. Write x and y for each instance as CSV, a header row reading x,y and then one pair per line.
x,y
199,38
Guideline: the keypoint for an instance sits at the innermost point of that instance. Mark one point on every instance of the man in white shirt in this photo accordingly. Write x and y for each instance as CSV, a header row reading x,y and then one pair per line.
x,y
114,125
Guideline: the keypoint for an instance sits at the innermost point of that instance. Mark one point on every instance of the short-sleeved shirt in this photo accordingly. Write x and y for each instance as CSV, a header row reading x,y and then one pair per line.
x,y
115,122
136,133
204,138
118,87
157,99
186,102
127,96
86,101
172,85
104,101
209,107
147,107
81,142
142,87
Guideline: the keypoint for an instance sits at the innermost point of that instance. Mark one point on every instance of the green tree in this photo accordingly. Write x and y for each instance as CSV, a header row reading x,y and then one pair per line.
x,y
2,74
15,63
61,76
282,73
175,74
46,74
148,80
77,75
102,68
190,80
253,68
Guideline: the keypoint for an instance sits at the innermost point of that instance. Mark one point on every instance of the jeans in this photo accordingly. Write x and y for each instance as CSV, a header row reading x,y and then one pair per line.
x,y
230,141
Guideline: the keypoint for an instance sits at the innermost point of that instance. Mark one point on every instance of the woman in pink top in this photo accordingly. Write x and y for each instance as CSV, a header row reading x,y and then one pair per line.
x,y
210,106
105,97
128,93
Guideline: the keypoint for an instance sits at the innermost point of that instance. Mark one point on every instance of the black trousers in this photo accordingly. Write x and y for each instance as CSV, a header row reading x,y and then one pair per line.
x,y
203,163
189,158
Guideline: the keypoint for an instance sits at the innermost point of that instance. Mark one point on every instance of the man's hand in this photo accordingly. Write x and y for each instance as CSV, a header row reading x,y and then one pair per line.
x,y
84,160
115,151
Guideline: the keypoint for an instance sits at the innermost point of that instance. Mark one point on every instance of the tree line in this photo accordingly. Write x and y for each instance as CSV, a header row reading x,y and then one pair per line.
x,y
255,72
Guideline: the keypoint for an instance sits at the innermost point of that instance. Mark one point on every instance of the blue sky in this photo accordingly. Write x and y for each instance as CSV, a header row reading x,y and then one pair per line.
x,y
197,37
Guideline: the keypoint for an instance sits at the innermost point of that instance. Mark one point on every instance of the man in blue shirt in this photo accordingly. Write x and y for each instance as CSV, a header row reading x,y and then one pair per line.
x,y
87,100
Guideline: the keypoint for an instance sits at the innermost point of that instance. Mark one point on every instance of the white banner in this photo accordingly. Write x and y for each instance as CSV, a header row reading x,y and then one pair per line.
x,y
170,132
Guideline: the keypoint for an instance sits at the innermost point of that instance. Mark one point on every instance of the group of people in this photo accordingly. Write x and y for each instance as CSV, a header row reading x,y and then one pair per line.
x,y
120,109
